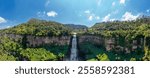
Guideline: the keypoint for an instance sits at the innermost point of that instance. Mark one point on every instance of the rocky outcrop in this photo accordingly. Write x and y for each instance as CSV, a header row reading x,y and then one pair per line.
x,y
14,36
109,44
92,39
34,41
37,41
112,44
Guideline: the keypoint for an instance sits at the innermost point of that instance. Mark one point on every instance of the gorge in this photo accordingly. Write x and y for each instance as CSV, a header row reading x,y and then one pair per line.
x,y
51,41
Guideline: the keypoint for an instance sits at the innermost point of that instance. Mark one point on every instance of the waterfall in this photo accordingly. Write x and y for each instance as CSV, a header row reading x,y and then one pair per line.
x,y
73,54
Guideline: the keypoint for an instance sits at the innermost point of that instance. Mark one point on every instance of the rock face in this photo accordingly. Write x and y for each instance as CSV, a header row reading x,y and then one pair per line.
x,y
13,36
112,44
34,41
92,39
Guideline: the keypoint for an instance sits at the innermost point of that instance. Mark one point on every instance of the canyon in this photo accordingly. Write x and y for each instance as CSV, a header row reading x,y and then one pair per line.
x,y
109,44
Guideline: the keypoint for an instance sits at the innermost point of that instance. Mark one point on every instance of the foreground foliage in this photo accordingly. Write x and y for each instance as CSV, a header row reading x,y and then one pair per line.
x,y
11,50
38,54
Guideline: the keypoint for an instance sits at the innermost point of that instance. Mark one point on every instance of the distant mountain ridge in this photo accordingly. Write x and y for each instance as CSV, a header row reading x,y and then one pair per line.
x,y
74,26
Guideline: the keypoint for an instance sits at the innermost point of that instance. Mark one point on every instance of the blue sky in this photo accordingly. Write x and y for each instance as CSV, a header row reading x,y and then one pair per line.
x,y
86,12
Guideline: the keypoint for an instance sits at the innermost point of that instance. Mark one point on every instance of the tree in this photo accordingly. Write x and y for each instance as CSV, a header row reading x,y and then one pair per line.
x,y
93,59
102,57
6,57
38,54
61,56
133,59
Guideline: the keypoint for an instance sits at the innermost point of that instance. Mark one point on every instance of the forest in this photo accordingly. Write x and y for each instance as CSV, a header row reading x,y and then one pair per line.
x,y
126,35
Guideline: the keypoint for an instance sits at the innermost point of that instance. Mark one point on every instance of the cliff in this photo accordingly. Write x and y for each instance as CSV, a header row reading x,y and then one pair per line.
x,y
113,44
109,44
34,41
37,41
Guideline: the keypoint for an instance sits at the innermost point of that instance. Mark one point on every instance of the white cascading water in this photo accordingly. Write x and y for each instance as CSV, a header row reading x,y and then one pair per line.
x,y
73,55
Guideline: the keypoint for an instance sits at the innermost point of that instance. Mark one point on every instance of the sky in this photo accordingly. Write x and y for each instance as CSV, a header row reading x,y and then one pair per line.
x,y
84,12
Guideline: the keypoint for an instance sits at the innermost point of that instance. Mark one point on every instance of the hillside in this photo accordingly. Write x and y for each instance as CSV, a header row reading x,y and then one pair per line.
x,y
122,25
39,28
35,40
132,29
73,26
131,38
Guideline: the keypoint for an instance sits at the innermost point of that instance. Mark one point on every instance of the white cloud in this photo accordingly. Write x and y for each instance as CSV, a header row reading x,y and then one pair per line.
x,y
148,10
52,14
41,14
2,20
97,17
99,2
87,12
122,1
107,18
91,16
47,3
112,19
8,26
113,4
128,16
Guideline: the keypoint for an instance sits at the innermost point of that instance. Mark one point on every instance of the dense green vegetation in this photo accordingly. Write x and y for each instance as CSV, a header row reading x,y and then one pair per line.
x,y
124,33
6,57
93,52
89,50
39,28
38,54
57,48
7,48
12,50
